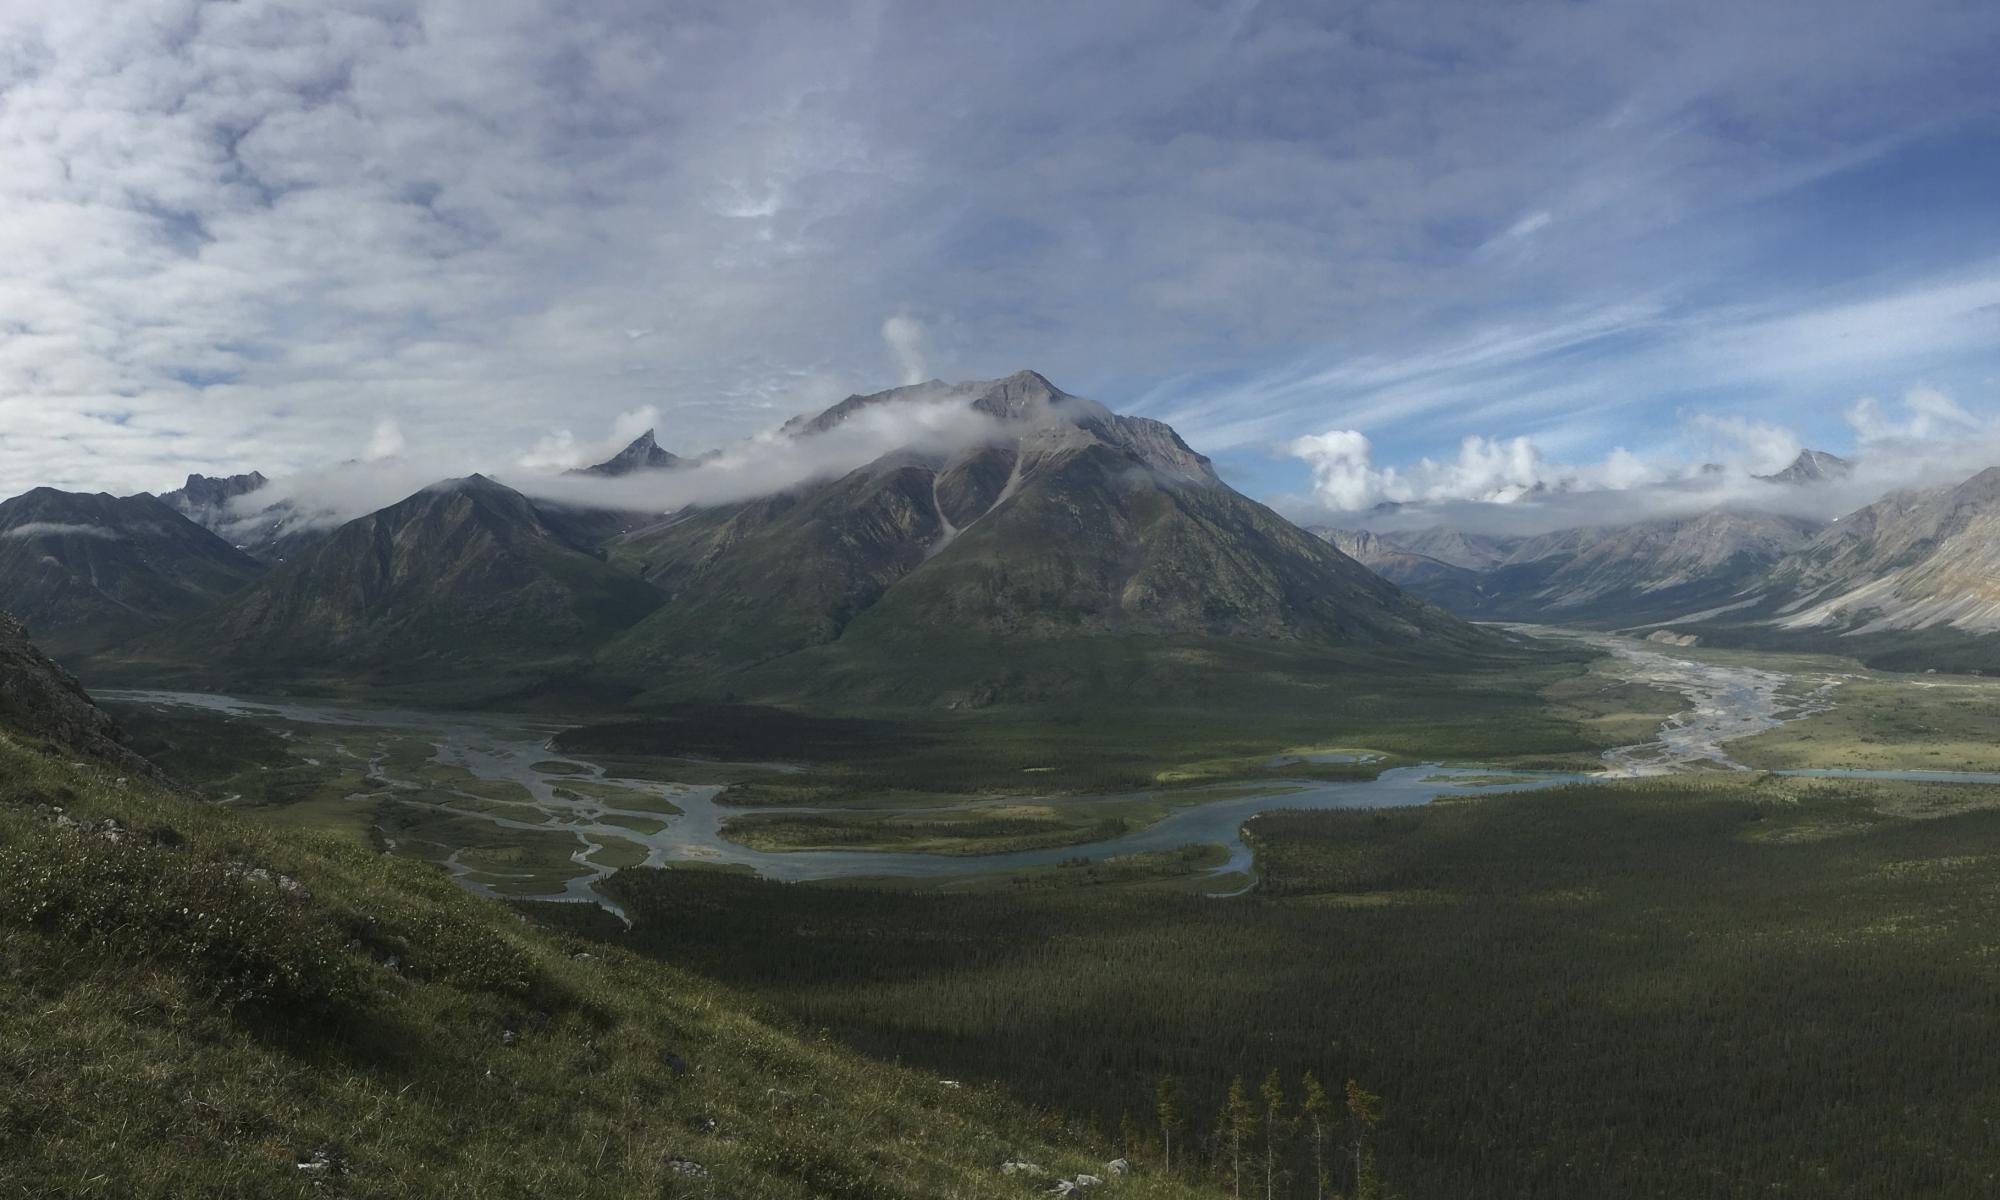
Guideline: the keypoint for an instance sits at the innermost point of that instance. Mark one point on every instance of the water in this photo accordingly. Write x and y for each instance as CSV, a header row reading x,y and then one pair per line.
x,y
513,750
1726,703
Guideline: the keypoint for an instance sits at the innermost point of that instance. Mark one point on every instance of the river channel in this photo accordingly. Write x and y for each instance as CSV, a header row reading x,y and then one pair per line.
x,y
1724,703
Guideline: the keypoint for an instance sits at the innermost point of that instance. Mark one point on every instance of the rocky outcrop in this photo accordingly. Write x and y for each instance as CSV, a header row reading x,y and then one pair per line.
x,y
39,699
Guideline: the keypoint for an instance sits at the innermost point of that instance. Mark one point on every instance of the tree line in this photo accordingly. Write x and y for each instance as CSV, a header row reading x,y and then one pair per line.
x,y
1283,1146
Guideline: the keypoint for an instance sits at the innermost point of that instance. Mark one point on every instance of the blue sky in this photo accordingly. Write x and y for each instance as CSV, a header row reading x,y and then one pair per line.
x,y
1639,236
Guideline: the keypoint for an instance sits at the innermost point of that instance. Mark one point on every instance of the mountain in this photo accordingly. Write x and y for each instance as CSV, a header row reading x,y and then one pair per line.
x,y
271,532
205,499
1645,572
198,1003
1064,534
1812,466
462,578
1651,570
643,454
83,570
1478,552
1450,585
1912,560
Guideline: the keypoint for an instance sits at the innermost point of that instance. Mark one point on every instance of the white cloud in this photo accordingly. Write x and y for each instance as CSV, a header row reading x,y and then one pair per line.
x,y
553,452
1753,446
32,529
237,234
905,338
1486,471
1928,414
386,442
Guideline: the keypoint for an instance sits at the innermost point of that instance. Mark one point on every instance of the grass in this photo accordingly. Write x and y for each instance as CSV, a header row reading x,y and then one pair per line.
x,y
172,1025
1720,986
1547,712
1890,722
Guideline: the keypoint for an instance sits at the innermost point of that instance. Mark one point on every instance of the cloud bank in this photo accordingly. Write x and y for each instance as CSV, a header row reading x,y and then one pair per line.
x,y
772,461
32,529
1924,439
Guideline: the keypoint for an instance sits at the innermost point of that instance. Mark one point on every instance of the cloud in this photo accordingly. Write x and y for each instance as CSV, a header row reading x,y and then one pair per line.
x,y
240,234
386,442
32,529
773,461
936,424
1928,414
557,451
1485,471
1510,486
905,338
1754,446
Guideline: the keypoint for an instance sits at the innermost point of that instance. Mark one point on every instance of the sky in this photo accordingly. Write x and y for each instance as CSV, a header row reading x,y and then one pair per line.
x,y
1411,251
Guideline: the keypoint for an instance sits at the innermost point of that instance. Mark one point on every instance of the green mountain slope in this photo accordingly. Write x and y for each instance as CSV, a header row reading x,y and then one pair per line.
x,y
1066,535
192,1005
461,581
82,570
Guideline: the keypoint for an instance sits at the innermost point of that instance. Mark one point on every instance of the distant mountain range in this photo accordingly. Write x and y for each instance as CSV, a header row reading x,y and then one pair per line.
x,y
1063,551
1618,575
1909,580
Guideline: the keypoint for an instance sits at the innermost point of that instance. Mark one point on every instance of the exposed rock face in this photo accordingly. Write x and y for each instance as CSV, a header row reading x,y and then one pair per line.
x,y
1912,560
85,569
643,454
204,499
270,532
39,699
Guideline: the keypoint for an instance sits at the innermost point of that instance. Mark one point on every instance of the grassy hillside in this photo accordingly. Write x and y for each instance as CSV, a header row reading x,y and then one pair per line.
x,y
1717,987
191,1005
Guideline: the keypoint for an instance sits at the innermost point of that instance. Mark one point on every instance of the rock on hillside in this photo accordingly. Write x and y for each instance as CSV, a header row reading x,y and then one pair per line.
x,y
40,699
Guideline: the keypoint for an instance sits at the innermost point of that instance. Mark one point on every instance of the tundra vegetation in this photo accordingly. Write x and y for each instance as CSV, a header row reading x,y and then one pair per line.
x,y
197,1003
1555,994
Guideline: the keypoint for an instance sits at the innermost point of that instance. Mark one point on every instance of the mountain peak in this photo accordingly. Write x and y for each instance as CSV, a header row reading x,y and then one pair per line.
x,y
1811,466
643,453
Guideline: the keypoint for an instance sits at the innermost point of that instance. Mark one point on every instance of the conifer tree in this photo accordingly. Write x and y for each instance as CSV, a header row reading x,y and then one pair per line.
x,y
1236,1126
1317,1113
1276,1127
1167,1107
1364,1109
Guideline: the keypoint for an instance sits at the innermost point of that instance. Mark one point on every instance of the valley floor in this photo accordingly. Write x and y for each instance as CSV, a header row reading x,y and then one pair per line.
x,y
1688,977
